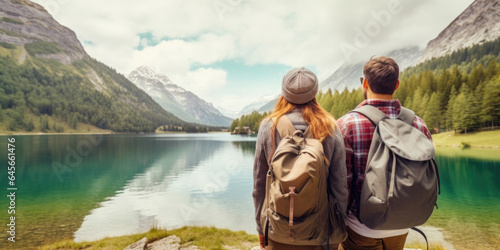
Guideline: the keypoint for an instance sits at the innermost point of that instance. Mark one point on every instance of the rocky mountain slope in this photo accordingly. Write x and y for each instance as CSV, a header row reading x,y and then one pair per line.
x,y
45,72
479,23
24,22
180,102
347,76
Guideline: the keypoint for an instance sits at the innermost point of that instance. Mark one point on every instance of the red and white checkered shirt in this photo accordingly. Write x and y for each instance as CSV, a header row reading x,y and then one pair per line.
x,y
357,131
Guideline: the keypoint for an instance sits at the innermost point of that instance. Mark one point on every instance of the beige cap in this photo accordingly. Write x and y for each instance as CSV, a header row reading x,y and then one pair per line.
x,y
300,85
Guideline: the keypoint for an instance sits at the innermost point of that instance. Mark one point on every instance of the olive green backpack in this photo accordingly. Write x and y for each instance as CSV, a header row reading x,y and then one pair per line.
x,y
299,207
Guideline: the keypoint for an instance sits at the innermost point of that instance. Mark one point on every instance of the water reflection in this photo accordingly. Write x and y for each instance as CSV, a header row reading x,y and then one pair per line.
x,y
50,208
199,182
129,183
247,147
53,210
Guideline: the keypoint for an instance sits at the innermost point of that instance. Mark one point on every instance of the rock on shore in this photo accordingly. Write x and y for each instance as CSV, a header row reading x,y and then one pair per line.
x,y
168,243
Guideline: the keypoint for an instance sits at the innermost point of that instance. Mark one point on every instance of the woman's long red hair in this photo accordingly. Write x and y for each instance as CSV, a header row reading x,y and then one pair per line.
x,y
321,123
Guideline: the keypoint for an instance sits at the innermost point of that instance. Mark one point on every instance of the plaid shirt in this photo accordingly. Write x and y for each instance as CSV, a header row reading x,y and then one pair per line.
x,y
357,131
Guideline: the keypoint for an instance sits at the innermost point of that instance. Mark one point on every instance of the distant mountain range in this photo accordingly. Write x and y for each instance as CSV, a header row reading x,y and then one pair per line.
x,y
347,76
263,104
233,114
173,98
46,72
479,23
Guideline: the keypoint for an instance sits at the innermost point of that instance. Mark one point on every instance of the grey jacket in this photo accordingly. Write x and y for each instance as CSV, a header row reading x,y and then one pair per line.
x,y
334,150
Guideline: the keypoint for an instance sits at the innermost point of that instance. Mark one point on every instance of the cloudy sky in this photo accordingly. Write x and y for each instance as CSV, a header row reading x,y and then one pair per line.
x,y
233,52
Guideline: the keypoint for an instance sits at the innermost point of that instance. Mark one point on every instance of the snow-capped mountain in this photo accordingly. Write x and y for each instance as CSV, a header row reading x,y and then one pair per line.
x,y
180,102
260,105
229,113
347,76
479,23
29,35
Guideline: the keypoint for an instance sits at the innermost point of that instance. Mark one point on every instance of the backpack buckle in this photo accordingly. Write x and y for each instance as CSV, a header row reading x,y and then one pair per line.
x,y
298,133
271,173
291,235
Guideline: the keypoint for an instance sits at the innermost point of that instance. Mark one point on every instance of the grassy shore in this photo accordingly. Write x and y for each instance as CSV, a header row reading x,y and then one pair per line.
x,y
482,139
81,128
202,237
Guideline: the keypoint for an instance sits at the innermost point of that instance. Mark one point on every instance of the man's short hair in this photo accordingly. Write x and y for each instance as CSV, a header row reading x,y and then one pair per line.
x,y
382,74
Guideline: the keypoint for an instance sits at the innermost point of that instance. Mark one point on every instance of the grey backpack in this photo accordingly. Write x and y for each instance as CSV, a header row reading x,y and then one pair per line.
x,y
401,177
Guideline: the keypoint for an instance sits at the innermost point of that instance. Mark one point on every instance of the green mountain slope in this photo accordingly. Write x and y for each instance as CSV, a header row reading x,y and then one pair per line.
x,y
48,82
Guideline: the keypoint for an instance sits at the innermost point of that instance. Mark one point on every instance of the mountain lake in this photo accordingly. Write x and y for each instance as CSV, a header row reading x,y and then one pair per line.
x,y
87,187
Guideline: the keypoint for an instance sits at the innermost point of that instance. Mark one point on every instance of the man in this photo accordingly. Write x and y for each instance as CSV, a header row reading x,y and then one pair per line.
x,y
379,83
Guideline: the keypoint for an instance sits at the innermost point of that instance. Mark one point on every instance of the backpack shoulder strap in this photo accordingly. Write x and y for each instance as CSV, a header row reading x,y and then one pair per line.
x,y
406,115
307,133
285,126
372,113
422,233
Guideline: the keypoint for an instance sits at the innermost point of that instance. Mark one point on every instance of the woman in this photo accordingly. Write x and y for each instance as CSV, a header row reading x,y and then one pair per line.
x,y
298,103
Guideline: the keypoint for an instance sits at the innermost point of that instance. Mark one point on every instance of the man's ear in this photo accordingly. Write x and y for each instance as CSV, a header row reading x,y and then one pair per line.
x,y
365,84
397,86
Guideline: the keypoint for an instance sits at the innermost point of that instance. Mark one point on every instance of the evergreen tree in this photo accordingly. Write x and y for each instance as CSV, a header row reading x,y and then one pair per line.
x,y
432,112
449,114
73,121
465,101
476,76
30,126
44,123
408,103
417,102
12,125
490,106
328,103
458,111
492,70
234,124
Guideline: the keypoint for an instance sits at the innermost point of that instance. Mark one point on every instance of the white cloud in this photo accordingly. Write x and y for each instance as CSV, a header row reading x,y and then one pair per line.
x,y
205,80
287,32
236,102
177,58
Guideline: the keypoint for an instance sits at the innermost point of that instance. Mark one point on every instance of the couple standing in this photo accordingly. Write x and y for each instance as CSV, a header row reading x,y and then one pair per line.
x,y
345,146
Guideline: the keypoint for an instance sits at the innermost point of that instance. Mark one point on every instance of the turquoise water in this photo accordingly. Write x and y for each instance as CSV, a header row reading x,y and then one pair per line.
x,y
90,187
469,205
